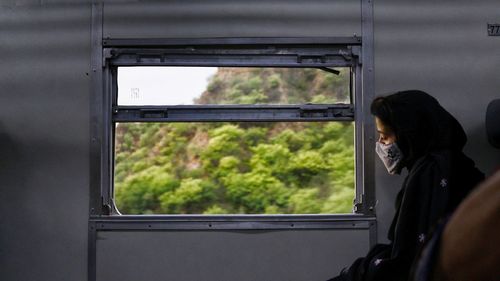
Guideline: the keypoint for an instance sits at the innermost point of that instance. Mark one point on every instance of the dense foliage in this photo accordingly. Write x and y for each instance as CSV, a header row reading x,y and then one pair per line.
x,y
241,168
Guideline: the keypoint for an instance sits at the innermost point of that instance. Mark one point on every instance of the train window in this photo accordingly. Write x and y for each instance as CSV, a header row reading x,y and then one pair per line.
x,y
227,130
231,85
234,168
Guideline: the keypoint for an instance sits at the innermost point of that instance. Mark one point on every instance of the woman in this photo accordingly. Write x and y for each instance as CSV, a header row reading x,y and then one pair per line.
x,y
418,134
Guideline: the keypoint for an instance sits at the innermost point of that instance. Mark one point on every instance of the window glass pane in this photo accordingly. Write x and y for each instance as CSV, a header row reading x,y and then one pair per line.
x,y
230,85
234,168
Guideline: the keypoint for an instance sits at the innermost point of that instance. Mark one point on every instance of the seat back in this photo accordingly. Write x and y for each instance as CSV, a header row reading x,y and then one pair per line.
x,y
493,122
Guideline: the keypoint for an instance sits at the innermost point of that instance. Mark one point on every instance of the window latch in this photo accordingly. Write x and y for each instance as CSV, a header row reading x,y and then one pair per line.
x,y
312,111
311,59
320,111
153,113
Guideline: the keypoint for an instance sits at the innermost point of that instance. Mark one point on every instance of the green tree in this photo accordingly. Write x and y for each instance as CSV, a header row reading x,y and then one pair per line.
x,y
221,168
140,193
190,197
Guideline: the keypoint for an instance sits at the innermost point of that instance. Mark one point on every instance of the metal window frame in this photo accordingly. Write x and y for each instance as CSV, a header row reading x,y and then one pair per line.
x,y
100,210
322,53
275,52
315,52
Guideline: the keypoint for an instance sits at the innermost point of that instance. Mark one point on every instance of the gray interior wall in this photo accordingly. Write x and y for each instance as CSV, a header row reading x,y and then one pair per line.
x,y
44,129
226,255
436,46
232,18
440,47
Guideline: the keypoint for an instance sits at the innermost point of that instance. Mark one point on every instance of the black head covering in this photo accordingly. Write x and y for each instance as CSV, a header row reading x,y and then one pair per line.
x,y
420,123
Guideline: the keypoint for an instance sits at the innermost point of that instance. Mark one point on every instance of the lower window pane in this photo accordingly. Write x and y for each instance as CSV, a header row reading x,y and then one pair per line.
x,y
234,168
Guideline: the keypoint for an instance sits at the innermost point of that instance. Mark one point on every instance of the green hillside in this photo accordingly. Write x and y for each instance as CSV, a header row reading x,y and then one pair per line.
x,y
242,168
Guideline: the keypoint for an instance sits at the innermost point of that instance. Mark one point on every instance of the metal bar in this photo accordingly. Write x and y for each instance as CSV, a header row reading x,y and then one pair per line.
x,y
330,70
92,251
358,143
250,113
114,100
230,62
373,233
145,225
237,217
96,125
313,55
351,86
368,130
96,109
107,143
307,106
305,50
256,58
150,42
232,222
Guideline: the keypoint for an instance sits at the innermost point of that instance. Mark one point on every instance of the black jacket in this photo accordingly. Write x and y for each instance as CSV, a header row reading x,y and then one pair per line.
x,y
433,188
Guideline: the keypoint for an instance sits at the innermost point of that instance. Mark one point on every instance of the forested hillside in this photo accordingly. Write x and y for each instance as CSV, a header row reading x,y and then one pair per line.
x,y
242,168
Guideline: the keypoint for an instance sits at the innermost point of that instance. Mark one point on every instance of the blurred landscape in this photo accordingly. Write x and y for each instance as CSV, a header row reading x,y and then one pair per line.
x,y
242,168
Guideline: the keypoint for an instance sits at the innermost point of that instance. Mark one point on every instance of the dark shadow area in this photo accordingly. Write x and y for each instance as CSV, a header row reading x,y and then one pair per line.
x,y
477,143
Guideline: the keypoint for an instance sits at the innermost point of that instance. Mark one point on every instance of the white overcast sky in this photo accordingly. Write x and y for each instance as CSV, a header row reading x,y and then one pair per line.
x,y
162,85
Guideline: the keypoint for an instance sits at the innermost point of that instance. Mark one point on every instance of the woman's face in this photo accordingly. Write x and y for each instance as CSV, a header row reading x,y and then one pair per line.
x,y
386,134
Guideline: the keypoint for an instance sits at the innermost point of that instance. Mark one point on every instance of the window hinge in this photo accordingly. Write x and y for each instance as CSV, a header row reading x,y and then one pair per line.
x,y
356,53
358,208
107,54
358,204
362,207
106,207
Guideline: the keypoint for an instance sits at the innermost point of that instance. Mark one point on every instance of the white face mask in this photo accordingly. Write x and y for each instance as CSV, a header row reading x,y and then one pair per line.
x,y
390,154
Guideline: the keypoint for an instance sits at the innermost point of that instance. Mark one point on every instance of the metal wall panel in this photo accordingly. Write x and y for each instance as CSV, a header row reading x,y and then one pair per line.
x,y
226,256
441,47
44,125
232,18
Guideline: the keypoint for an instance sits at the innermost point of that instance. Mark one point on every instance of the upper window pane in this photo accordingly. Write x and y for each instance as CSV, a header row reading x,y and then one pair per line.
x,y
231,85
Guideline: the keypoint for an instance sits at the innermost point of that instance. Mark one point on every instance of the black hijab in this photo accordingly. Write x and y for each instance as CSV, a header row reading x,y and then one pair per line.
x,y
420,123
